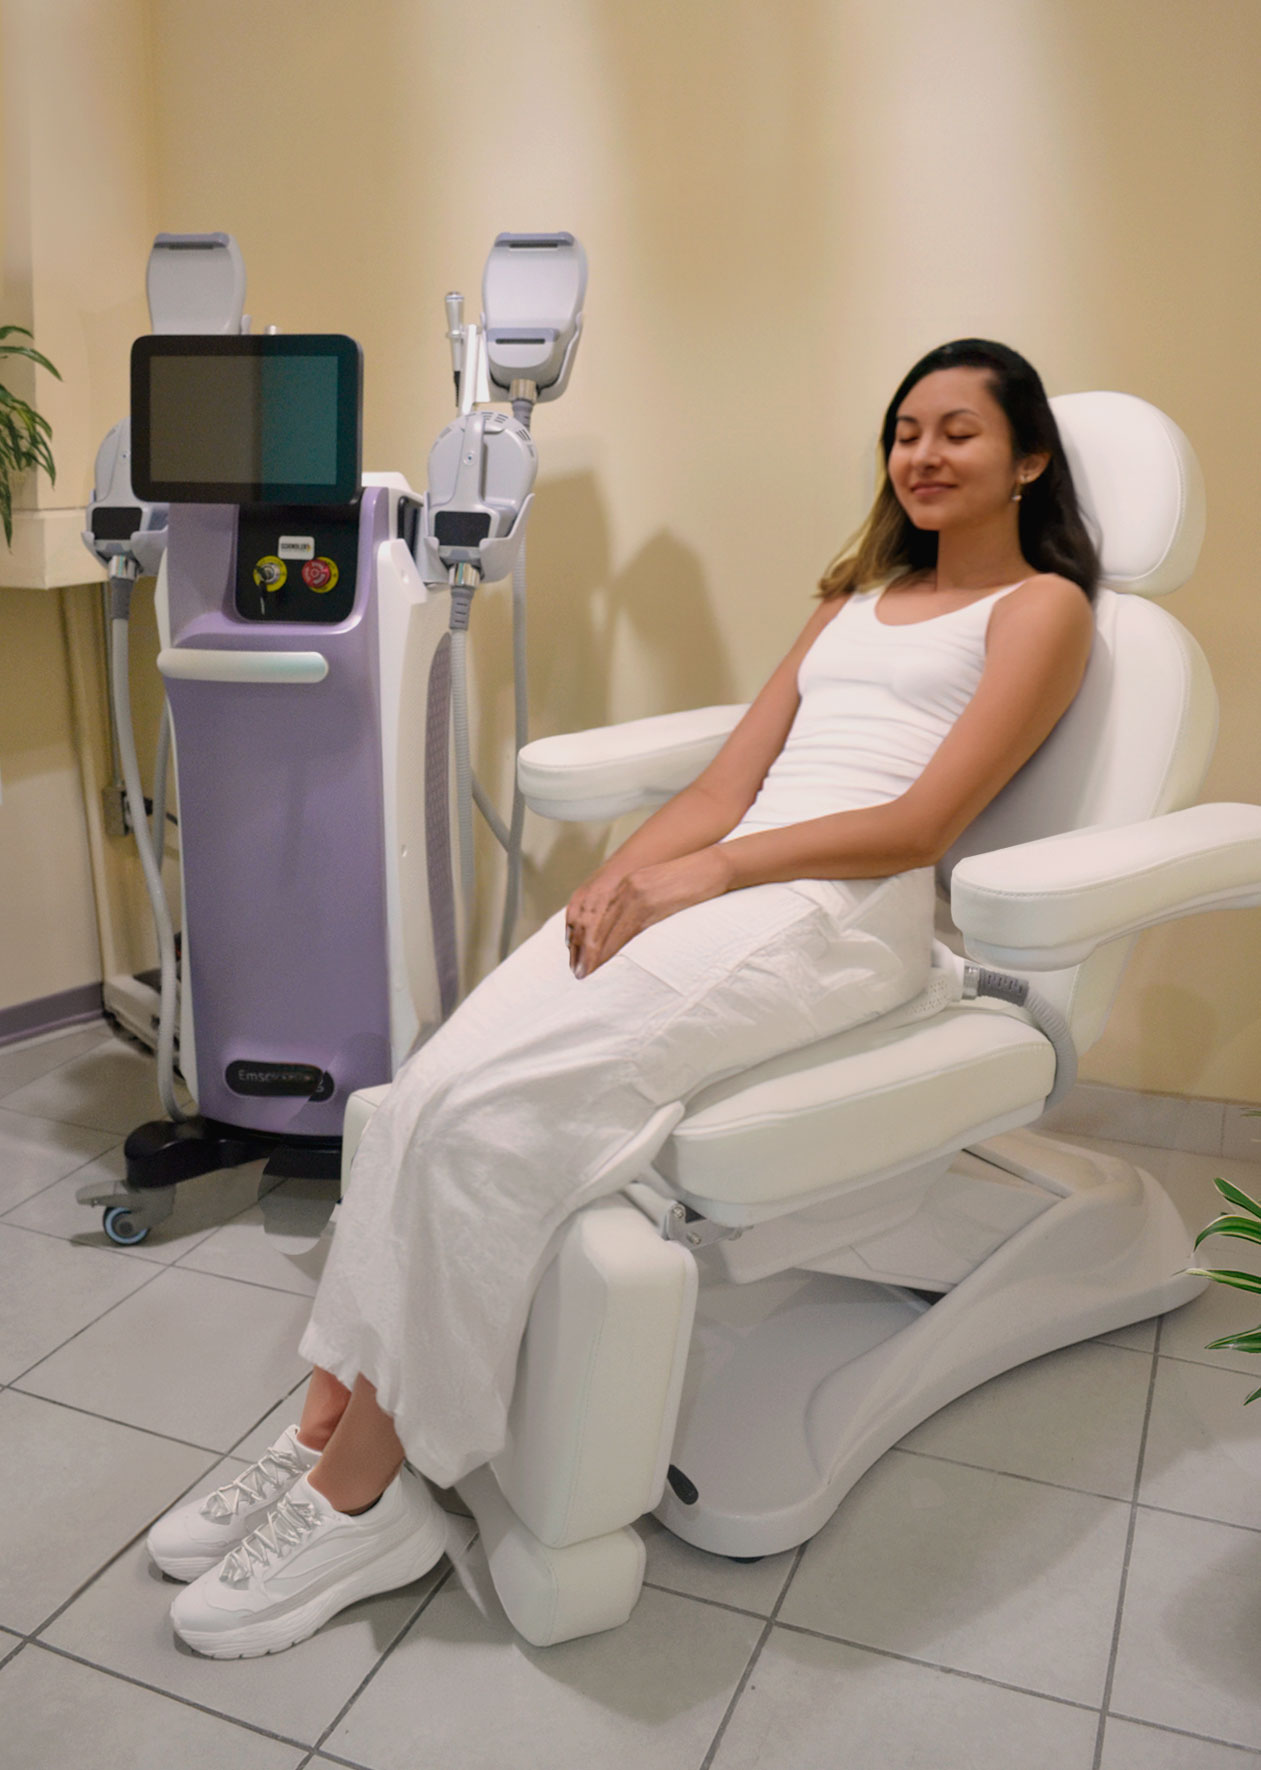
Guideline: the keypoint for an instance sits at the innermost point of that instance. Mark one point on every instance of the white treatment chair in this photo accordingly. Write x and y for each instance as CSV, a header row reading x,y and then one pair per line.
x,y
874,1230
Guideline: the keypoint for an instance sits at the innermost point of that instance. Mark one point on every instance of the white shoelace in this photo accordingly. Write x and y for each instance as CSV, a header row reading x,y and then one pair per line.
x,y
253,1485
282,1530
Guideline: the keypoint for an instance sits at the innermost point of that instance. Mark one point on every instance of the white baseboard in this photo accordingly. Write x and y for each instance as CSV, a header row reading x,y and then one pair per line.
x,y
1160,1121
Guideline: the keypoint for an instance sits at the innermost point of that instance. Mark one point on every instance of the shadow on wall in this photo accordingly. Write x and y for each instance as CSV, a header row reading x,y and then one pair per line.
x,y
652,623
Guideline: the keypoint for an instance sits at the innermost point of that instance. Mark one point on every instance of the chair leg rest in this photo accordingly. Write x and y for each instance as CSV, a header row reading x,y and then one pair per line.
x,y
552,1595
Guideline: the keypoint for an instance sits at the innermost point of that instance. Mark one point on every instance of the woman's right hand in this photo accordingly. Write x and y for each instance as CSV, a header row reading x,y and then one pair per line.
x,y
586,908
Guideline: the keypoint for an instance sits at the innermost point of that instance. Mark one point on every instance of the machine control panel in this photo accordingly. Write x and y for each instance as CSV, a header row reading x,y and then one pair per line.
x,y
297,564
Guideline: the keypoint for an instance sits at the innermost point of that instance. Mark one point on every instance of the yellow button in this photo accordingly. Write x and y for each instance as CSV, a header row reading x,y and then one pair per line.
x,y
270,572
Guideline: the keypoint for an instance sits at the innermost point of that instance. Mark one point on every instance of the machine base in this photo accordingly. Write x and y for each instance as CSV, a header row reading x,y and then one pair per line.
x,y
162,1153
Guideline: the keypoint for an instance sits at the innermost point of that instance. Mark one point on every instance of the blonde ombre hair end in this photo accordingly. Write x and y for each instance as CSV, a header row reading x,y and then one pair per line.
x,y
879,552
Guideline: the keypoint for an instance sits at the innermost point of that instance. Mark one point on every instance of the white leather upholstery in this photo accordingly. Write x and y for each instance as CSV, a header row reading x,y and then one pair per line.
x,y
1139,486
1050,903
848,1111
618,768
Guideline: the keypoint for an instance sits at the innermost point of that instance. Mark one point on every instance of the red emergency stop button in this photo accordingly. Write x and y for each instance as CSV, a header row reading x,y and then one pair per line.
x,y
319,575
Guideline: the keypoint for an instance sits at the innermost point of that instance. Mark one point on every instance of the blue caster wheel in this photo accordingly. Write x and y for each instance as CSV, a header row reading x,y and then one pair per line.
x,y
122,1228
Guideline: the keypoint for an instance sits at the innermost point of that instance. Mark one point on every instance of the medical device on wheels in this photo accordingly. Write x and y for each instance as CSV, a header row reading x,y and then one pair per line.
x,y
800,1263
315,685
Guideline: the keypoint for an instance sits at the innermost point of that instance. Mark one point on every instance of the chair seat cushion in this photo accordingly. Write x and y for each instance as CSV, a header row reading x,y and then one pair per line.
x,y
855,1106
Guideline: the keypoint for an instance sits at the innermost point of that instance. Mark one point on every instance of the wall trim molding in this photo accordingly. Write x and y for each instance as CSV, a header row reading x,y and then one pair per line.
x,y
69,1007
1159,1121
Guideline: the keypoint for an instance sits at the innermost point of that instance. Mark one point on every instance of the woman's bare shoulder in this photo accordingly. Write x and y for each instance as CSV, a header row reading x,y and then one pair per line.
x,y
1046,599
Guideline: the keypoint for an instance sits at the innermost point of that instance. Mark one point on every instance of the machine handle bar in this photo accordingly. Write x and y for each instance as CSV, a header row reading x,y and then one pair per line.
x,y
201,664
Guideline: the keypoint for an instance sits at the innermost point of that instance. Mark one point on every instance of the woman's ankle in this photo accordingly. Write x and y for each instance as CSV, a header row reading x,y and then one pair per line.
x,y
350,1496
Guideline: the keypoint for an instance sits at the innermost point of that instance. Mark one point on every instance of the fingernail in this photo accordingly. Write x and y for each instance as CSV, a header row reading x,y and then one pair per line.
x,y
580,970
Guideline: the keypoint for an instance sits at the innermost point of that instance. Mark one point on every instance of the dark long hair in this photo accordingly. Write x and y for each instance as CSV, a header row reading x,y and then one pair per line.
x,y
1053,536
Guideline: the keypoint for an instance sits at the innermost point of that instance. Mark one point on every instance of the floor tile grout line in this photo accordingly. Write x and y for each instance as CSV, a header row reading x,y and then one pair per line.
x,y
92,1247
60,1179
71,1338
763,1637
171,1696
1202,1364
110,1561
933,1456
651,1585
113,1420
287,1396
175,1265
1183,1732
405,1630
933,1665
1110,1674
1198,1517
158,1269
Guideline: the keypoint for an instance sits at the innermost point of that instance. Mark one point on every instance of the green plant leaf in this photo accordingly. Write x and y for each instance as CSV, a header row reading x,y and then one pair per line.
x,y
1241,1228
1242,1281
1246,1342
1237,1197
24,350
1252,1397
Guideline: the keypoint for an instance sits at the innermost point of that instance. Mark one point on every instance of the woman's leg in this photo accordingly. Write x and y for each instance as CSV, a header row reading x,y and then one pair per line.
x,y
326,1402
508,1119
362,1455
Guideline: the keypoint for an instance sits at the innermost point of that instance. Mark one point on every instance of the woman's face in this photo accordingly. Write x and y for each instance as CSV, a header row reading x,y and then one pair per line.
x,y
951,463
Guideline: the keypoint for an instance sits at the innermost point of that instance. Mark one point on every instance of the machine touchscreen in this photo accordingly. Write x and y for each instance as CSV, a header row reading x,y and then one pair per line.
x,y
273,419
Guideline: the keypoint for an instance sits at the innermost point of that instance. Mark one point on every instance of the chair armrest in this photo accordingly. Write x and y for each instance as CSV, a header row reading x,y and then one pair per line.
x,y
612,769
1048,904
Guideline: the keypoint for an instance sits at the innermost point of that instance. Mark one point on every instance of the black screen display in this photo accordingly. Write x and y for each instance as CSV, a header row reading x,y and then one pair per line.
x,y
231,420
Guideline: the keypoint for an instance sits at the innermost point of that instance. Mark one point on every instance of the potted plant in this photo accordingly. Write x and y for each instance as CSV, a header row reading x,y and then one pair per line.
x,y
1243,1227
25,436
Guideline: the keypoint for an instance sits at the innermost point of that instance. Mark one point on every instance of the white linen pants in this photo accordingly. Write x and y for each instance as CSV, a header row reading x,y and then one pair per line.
x,y
498,1128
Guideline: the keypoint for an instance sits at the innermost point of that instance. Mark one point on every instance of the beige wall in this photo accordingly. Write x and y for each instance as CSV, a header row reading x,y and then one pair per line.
x,y
76,219
782,207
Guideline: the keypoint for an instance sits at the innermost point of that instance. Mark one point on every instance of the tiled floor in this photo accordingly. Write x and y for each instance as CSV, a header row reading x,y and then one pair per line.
x,y
1060,1572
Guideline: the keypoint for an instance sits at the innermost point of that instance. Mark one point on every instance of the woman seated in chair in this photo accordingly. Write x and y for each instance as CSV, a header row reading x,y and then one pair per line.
x,y
784,896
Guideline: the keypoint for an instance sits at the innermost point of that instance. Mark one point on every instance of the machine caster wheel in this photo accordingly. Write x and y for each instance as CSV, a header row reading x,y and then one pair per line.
x,y
122,1228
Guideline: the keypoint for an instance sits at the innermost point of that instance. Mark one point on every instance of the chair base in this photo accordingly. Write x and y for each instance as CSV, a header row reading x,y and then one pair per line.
x,y
552,1594
797,1384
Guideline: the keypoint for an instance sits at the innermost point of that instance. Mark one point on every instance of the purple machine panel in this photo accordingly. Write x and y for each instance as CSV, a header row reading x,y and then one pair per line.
x,y
282,838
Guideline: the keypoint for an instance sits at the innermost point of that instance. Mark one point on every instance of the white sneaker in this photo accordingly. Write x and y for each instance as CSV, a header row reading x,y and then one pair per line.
x,y
306,1562
194,1537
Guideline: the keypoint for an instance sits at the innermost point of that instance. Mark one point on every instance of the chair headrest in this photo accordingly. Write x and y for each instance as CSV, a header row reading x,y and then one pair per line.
x,y
1139,486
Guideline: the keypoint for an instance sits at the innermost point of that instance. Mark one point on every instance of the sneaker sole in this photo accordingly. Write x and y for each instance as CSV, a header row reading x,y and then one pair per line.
x,y
189,1567
409,1561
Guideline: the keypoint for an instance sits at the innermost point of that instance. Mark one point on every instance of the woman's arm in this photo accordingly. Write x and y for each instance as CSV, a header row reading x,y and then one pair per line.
x,y
1038,646
697,818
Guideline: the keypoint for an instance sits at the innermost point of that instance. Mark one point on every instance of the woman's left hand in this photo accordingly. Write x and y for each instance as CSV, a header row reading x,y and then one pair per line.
x,y
647,895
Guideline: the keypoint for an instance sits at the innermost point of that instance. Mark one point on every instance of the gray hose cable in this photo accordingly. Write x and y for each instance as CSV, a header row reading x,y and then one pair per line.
x,y
522,411
1045,1016
461,603
161,764
120,624
521,737
498,828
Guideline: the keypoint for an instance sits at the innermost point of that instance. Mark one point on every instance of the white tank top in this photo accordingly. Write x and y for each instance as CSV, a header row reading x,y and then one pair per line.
x,y
876,701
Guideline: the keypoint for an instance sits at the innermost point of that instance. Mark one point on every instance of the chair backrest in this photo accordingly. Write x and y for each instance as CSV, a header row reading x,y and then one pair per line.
x,y
1139,736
